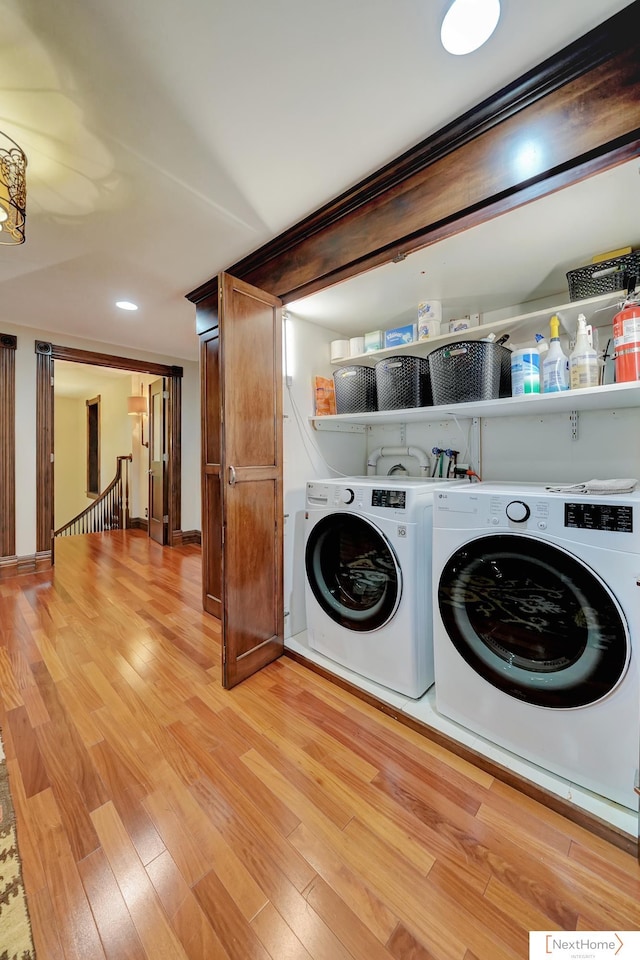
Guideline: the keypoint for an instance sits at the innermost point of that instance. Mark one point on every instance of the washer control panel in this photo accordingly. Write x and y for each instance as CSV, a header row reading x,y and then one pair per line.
x,y
391,499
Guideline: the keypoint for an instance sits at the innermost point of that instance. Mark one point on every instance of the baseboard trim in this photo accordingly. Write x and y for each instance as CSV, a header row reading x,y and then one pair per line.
x,y
138,523
606,831
18,566
191,536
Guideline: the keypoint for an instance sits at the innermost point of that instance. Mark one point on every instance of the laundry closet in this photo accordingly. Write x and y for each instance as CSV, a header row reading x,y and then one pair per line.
x,y
346,461
486,216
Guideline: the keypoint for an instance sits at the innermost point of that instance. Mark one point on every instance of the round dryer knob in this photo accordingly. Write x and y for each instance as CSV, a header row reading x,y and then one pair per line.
x,y
347,495
518,511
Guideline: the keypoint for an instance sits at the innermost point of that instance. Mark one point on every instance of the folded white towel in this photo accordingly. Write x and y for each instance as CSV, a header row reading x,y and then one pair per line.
x,y
597,486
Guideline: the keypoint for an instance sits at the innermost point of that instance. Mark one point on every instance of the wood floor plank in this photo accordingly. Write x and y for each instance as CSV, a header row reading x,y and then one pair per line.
x,y
241,821
534,912
117,932
34,705
71,791
196,934
161,817
196,845
232,928
74,920
277,936
347,886
27,751
30,850
151,923
404,946
46,937
356,936
444,832
169,883
9,689
587,892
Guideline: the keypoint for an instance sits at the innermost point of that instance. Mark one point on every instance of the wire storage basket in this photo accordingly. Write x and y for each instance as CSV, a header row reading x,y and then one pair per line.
x,y
607,276
355,388
470,370
403,382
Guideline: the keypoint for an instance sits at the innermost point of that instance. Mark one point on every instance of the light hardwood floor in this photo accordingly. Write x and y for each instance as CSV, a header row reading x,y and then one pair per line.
x,y
163,818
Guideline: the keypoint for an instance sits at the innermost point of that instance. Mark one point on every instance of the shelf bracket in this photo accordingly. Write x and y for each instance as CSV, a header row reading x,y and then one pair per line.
x,y
573,419
338,426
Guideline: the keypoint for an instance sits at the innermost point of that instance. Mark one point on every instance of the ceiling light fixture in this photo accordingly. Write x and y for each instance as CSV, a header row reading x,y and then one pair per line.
x,y
126,305
13,191
468,24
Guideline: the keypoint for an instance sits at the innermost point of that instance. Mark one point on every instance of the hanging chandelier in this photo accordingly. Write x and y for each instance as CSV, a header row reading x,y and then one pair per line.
x,y
13,191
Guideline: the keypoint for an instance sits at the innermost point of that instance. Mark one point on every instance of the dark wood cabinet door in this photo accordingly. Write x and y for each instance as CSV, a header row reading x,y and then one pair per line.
x,y
250,371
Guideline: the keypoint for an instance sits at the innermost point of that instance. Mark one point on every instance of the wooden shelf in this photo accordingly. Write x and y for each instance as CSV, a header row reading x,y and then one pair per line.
x,y
599,311
615,396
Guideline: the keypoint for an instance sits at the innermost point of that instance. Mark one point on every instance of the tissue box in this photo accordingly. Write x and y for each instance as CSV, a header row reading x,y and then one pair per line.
x,y
374,340
401,335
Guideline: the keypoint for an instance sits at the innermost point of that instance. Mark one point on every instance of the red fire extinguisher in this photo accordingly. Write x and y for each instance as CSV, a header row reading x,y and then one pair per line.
x,y
626,340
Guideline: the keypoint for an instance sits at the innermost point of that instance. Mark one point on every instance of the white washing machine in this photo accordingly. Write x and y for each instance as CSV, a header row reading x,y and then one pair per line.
x,y
368,576
537,627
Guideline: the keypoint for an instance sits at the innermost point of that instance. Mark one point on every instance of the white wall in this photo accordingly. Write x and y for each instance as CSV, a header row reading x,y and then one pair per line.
x,y
308,454
70,469
115,426
26,427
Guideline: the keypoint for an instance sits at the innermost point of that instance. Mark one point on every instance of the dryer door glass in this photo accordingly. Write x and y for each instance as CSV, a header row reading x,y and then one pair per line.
x,y
534,621
353,572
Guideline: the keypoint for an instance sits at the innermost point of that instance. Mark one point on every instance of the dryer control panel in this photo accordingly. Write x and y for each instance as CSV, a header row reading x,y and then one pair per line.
x,y
529,508
616,518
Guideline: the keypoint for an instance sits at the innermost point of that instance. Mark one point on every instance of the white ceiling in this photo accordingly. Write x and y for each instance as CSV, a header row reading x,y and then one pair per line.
x,y
81,380
166,141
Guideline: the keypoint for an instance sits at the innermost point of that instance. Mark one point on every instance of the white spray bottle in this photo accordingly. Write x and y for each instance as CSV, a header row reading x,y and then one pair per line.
x,y
555,365
584,370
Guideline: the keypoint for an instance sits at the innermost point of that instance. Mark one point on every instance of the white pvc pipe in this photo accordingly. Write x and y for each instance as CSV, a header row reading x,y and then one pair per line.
x,y
416,452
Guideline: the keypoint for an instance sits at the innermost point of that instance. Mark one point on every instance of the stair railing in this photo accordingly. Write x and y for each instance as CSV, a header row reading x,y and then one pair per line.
x,y
110,511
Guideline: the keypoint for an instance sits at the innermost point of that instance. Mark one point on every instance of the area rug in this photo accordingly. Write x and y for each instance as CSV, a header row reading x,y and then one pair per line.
x,y
16,942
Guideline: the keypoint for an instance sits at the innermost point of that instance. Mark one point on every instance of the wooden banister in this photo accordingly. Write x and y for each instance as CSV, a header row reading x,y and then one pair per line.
x,y
110,511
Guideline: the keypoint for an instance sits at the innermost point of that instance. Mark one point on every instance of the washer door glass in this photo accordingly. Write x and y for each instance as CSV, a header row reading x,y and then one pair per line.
x,y
533,621
353,572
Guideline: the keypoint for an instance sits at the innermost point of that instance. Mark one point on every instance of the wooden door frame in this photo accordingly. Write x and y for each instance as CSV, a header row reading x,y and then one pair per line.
x,y
151,478
46,354
8,346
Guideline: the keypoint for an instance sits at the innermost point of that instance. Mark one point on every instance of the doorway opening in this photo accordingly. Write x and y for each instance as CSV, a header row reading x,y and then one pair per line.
x,y
49,358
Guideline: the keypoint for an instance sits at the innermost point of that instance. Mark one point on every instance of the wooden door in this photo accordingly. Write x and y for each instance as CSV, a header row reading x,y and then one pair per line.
x,y
158,493
211,446
250,371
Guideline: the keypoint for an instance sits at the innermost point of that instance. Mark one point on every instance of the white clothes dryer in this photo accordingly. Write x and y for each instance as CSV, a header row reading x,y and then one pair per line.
x,y
368,575
537,627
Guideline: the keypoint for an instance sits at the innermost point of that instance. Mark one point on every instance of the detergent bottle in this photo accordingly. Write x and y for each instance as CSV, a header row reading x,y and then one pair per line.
x,y
555,365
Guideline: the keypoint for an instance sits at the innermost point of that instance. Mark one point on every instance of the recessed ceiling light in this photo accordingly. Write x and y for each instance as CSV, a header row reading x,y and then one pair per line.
x,y
126,305
468,24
